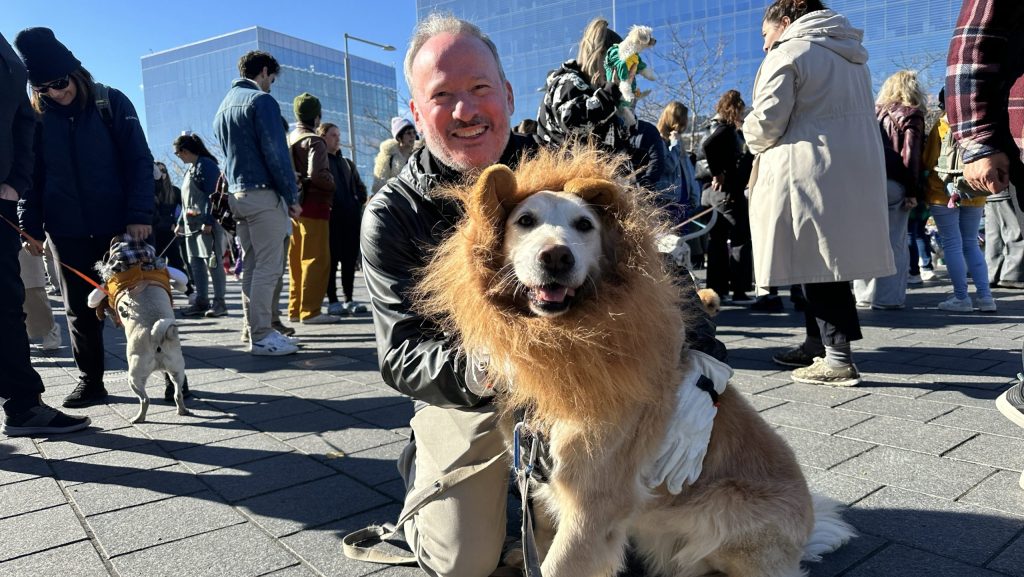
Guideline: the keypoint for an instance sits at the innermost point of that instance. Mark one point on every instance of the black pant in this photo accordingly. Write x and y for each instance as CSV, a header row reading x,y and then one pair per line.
x,y
344,235
831,313
86,329
730,259
20,385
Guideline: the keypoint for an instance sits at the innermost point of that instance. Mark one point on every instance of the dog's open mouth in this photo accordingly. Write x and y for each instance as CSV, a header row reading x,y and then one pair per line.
x,y
551,298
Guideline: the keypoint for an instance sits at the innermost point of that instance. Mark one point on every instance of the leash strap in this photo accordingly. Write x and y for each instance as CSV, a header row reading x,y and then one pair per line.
x,y
524,474
39,246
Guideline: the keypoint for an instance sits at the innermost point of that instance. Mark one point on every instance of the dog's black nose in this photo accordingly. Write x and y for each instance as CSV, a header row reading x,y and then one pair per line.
x,y
556,259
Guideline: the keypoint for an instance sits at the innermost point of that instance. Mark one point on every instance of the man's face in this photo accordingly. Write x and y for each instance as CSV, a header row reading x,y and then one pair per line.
x,y
333,140
265,80
460,104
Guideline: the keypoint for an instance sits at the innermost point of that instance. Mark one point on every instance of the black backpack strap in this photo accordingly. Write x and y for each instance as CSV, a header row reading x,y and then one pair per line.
x,y
102,99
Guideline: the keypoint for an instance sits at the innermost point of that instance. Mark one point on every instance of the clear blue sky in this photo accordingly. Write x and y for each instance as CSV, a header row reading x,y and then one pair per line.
x,y
111,36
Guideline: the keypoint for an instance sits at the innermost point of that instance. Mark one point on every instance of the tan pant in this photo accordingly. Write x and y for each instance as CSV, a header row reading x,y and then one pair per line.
x,y
263,229
461,533
309,265
38,313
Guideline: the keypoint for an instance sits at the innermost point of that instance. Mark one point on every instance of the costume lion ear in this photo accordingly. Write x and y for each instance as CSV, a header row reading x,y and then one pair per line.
x,y
596,191
495,189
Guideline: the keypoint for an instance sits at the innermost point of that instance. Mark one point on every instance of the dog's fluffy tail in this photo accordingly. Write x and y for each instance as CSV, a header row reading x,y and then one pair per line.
x,y
163,329
830,531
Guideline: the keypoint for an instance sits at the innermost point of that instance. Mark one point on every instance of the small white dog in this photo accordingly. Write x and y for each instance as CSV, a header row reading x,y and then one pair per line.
x,y
143,306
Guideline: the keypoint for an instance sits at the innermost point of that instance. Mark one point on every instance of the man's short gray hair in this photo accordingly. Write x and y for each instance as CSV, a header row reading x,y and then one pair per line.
x,y
435,24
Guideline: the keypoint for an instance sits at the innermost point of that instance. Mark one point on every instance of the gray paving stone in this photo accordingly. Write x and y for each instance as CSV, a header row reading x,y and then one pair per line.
x,y
334,388
998,452
910,435
312,504
910,562
28,496
762,403
838,561
965,397
899,407
751,383
320,421
238,551
973,380
345,441
39,531
391,417
22,467
134,489
101,466
1010,561
821,450
915,471
71,446
258,477
319,547
988,421
815,395
14,446
934,525
842,488
205,432
127,530
1001,491
813,417
294,571
372,466
285,407
76,560
894,387
894,370
231,452
233,383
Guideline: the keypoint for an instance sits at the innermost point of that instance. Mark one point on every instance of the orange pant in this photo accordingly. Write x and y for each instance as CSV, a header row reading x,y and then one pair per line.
x,y
309,263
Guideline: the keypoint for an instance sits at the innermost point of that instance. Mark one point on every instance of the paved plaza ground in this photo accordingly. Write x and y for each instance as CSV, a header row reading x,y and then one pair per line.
x,y
284,456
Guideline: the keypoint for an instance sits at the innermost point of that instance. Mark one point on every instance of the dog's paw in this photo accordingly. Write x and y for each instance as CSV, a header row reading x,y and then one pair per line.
x,y
182,411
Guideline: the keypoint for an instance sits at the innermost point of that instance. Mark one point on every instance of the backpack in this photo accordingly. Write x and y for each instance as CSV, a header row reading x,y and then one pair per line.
x,y
102,100
219,207
950,170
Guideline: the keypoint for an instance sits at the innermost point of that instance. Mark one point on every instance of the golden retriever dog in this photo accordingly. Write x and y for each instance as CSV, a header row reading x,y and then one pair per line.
x,y
554,273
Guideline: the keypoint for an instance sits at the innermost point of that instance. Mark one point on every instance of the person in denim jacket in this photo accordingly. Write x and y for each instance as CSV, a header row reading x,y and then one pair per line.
x,y
264,192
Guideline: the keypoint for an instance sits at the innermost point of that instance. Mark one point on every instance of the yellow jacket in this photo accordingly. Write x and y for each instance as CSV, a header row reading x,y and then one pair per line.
x,y
936,193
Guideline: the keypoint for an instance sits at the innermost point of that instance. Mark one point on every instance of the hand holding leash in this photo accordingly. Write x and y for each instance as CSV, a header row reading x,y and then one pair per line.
x,y
681,454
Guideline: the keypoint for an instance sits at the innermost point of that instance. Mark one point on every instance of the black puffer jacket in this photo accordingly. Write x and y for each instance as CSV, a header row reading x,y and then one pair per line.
x,y
400,225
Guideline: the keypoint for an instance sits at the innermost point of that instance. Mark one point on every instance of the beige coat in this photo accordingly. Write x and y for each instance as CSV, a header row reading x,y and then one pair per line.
x,y
818,203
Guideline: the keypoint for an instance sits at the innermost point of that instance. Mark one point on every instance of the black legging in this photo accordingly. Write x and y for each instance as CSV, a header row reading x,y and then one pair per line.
x,y
86,329
344,241
730,260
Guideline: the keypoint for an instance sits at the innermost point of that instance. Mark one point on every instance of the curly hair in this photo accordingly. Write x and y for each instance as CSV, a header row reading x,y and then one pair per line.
x,y
731,106
791,9
904,88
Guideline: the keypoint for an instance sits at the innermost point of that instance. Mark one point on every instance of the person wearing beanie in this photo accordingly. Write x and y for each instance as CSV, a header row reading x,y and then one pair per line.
x,y
394,152
309,256
98,184
263,194
21,386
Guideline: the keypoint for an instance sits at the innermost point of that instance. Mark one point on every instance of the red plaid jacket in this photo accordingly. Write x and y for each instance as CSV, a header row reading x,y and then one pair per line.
x,y
985,79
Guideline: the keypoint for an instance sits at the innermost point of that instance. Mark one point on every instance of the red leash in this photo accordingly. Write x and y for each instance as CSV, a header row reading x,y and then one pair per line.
x,y
39,246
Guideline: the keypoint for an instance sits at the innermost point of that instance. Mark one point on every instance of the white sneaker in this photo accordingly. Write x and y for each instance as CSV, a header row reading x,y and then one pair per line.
x,y
321,319
273,345
52,341
956,305
986,304
927,274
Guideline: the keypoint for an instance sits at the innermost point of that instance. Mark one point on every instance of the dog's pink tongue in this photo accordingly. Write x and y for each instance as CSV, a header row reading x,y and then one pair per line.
x,y
552,295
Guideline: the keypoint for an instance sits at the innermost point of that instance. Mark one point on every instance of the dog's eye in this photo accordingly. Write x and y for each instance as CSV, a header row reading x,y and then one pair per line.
x,y
584,225
526,220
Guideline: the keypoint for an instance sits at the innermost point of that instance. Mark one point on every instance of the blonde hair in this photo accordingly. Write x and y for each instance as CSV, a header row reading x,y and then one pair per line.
x,y
904,88
674,117
597,39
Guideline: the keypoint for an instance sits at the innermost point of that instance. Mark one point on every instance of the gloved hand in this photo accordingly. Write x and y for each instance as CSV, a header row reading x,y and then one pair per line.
x,y
680,457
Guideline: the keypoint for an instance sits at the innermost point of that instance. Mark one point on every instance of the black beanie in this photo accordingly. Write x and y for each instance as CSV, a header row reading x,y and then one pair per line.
x,y
45,57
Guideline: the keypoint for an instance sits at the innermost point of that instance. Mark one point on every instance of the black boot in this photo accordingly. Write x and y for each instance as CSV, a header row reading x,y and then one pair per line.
x,y
169,388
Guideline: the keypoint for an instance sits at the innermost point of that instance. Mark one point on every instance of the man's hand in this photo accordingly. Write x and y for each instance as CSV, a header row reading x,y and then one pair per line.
x,y
680,457
139,232
207,229
991,173
7,192
295,210
717,182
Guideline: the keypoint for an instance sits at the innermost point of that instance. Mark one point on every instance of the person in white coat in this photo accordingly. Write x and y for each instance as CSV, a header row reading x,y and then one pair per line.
x,y
818,201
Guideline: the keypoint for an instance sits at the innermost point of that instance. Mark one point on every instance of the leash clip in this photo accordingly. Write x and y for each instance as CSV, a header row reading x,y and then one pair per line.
x,y
523,470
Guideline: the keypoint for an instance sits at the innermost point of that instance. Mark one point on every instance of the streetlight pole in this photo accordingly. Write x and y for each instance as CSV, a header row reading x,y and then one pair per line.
x,y
348,89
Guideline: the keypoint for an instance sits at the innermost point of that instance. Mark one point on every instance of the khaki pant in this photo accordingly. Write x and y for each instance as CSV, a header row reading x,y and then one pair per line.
x,y
309,262
461,533
38,313
263,229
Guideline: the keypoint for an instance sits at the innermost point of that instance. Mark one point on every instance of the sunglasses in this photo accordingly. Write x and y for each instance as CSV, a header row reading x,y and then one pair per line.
x,y
59,84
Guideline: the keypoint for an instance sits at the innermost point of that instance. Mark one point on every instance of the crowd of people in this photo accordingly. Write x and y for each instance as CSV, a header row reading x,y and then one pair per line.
x,y
819,185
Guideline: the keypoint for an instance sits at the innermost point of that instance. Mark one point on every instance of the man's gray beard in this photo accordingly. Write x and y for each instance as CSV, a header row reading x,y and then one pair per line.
x,y
440,152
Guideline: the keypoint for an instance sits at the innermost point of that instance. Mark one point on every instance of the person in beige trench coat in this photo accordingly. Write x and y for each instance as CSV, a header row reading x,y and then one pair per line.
x,y
818,213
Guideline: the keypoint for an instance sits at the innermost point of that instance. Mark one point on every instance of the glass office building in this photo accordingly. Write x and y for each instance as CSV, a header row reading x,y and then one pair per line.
x,y
533,37
184,86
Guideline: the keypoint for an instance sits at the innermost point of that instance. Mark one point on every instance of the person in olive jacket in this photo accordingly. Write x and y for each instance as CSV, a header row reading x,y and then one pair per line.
x,y
95,182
